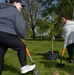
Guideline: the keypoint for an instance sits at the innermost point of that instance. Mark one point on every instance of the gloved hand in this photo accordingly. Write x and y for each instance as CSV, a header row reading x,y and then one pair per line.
x,y
64,45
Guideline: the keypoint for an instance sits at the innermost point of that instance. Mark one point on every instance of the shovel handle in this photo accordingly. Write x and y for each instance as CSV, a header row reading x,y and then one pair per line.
x,y
28,53
63,51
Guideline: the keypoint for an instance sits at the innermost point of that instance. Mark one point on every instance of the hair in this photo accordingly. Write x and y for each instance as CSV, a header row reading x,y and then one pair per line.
x,y
68,17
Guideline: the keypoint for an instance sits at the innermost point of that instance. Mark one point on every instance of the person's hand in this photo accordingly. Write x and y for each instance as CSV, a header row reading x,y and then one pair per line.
x,y
64,45
23,41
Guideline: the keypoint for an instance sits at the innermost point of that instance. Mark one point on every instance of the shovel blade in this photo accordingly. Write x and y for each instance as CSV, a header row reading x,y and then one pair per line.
x,y
36,72
60,65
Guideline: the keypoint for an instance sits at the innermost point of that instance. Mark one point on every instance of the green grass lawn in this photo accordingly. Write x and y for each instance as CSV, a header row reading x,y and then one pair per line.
x,y
38,48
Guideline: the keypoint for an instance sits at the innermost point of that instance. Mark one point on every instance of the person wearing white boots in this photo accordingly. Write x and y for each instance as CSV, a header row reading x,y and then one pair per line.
x,y
12,28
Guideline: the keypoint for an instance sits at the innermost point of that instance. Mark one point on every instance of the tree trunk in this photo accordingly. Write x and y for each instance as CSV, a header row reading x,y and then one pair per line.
x,y
33,31
52,45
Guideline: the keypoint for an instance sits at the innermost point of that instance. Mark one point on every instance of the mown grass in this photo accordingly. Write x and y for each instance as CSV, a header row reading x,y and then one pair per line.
x,y
38,48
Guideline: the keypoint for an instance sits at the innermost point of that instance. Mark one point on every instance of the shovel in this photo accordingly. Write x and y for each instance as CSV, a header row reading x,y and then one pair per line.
x,y
36,72
61,65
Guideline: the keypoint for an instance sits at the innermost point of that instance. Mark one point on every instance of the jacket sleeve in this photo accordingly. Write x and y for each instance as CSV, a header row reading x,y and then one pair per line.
x,y
20,25
65,34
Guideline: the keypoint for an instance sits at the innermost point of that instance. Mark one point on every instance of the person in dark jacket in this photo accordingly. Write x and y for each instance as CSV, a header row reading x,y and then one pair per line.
x,y
12,28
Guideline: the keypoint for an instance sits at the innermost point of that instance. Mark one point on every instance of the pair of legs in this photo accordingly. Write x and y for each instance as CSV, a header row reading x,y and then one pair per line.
x,y
70,49
11,41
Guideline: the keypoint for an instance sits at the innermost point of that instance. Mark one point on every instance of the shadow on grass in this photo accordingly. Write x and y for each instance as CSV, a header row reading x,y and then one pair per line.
x,y
43,39
11,69
42,54
14,70
68,68
46,62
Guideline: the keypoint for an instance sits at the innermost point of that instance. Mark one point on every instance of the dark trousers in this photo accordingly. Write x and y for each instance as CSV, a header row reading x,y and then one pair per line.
x,y
12,41
70,49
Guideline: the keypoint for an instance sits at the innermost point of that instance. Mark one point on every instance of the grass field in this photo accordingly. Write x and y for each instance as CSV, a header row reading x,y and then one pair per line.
x,y
38,48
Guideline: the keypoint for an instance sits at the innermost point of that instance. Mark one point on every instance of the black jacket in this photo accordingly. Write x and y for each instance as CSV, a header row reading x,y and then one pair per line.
x,y
11,20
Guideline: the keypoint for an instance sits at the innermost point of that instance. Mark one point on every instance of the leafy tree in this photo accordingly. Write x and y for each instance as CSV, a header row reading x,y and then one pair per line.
x,y
43,26
54,28
31,14
47,7
66,7
60,7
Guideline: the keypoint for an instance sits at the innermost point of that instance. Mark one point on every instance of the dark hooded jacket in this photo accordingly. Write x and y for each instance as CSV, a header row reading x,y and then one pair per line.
x,y
11,20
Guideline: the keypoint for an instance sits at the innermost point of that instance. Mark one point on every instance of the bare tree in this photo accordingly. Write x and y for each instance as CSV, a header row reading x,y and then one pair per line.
x,y
31,14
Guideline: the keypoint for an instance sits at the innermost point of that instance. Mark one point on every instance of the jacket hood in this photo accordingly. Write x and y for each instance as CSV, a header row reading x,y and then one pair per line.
x,y
70,22
5,5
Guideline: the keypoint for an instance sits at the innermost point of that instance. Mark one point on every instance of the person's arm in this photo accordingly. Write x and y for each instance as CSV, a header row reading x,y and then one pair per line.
x,y
20,25
65,35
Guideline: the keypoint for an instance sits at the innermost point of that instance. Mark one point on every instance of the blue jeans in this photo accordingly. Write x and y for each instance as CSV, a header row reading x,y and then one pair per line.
x,y
12,41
